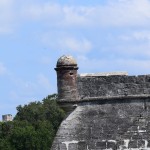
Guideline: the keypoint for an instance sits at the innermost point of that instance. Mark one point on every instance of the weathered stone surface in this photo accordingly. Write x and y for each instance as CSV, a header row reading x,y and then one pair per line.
x,y
108,86
112,110
67,78
103,74
66,61
112,125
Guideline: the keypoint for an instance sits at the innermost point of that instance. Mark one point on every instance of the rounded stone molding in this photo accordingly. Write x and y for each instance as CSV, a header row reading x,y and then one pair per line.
x,y
66,60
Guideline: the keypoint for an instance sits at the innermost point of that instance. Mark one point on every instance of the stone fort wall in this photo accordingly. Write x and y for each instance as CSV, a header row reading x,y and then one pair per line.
x,y
109,112
106,125
113,85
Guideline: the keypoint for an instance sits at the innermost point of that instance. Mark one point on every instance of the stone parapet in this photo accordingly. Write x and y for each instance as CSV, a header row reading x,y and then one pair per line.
x,y
113,85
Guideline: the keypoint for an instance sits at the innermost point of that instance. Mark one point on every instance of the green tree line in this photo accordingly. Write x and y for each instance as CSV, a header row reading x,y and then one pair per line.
x,y
34,126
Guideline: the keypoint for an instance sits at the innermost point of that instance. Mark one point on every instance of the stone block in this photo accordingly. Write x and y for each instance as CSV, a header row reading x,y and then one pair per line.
x,y
73,146
133,144
82,145
62,146
111,144
101,145
120,145
141,143
148,145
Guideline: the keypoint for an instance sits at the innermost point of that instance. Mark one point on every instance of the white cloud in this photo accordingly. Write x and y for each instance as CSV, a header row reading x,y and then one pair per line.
x,y
129,50
3,69
113,13
27,91
124,13
56,14
23,88
120,13
127,44
77,15
132,66
143,35
44,12
77,45
44,82
6,16
66,42
45,60
14,95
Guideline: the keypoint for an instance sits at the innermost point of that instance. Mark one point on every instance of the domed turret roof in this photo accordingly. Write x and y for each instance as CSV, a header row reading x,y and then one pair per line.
x,y
66,60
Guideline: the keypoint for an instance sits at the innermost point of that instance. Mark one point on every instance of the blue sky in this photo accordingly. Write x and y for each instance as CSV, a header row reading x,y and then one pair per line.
x,y
103,36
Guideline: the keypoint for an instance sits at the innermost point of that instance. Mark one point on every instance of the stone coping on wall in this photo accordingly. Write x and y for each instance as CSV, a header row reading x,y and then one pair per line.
x,y
105,98
116,73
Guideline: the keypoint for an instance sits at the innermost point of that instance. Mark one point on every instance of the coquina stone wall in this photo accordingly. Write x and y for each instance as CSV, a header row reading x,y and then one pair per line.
x,y
106,125
106,112
108,86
